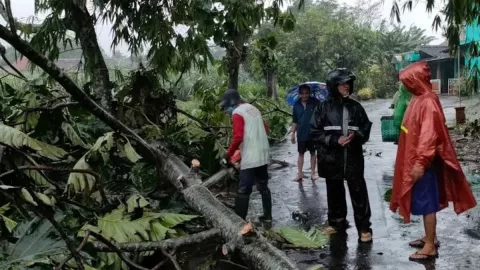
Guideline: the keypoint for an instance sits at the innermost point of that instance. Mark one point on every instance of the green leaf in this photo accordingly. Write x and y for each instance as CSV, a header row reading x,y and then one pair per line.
x,y
130,153
17,139
117,226
316,267
311,239
45,199
4,208
159,232
36,243
73,136
81,181
171,220
6,187
10,224
28,197
136,201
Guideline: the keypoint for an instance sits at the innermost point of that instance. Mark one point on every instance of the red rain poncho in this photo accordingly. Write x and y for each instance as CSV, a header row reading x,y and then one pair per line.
x,y
424,137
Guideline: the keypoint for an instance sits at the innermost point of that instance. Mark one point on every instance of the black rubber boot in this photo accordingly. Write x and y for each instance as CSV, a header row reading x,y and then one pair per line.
x,y
267,207
241,205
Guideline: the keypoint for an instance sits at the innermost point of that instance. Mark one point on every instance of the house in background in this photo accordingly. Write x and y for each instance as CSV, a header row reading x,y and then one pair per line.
x,y
446,68
442,65
471,37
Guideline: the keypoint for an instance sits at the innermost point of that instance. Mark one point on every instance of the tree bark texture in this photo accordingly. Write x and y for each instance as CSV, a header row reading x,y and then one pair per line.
x,y
235,56
271,81
173,243
259,253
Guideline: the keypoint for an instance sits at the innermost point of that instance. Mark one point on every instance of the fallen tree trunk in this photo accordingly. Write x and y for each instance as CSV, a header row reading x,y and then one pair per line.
x,y
173,243
259,254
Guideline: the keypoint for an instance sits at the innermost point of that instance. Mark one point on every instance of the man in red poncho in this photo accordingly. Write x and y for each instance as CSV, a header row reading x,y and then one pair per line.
x,y
427,172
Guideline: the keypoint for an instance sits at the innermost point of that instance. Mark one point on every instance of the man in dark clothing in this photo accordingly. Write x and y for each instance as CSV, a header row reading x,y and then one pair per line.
x,y
302,113
340,126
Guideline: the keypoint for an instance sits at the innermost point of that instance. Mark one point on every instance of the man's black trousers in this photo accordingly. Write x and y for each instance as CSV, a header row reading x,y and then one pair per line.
x,y
337,205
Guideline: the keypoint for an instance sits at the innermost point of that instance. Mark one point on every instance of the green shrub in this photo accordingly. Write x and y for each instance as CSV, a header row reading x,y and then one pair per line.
x,y
366,94
257,89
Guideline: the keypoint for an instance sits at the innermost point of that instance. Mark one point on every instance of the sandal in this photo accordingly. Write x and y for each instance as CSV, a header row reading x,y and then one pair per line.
x,y
419,243
424,258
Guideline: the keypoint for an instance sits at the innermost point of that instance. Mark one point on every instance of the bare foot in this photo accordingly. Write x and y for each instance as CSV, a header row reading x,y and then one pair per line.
x,y
366,237
428,252
419,243
314,176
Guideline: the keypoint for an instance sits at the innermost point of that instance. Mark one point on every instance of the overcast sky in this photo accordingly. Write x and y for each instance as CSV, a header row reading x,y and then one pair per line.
x,y
24,9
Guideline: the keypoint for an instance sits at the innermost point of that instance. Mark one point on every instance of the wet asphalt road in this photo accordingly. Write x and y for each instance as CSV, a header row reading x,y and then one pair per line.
x,y
459,235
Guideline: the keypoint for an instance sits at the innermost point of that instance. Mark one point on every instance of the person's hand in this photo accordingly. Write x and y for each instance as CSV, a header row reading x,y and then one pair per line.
x,y
346,140
342,140
350,137
294,141
417,173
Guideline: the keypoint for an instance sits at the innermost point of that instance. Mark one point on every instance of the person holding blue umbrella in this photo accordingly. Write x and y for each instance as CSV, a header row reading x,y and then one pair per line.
x,y
302,113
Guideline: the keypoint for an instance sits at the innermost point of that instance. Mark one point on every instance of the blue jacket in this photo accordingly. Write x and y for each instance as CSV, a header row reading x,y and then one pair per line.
x,y
302,116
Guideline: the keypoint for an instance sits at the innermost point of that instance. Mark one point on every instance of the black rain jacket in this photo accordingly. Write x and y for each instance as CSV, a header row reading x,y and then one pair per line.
x,y
333,118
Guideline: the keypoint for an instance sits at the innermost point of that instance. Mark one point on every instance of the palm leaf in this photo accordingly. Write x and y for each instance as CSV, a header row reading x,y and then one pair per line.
x,y
36,243
311,239
17,139
119,227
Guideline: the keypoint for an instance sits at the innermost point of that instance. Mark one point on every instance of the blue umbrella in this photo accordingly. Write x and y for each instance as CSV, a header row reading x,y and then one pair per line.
x,y
318,91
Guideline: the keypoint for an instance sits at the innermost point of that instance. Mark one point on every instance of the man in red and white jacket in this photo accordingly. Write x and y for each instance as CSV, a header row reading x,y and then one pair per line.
x,y
250,136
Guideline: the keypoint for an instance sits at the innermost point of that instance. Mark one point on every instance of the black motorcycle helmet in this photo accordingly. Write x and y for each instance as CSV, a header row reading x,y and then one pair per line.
x,y
339,76
231,97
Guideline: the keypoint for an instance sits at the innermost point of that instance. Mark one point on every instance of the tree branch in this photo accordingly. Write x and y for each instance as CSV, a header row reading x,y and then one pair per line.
x,y
56,107
170,257
5,15
80,247
172,243
11,20
115,249
276,108
9,73
196,119
3,51
42,212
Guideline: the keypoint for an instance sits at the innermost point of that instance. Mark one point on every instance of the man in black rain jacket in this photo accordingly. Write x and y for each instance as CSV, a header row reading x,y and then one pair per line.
x,y
340,126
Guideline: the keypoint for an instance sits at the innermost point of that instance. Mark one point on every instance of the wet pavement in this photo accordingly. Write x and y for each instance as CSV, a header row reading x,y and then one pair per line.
x,y
459,235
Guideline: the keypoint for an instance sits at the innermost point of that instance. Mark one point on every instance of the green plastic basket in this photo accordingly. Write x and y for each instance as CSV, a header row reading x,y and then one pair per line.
x,y
389,132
